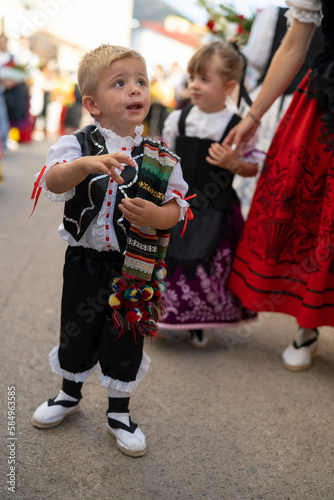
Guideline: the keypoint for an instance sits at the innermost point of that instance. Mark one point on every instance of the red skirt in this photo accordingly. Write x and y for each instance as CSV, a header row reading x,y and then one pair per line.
x,y
284,261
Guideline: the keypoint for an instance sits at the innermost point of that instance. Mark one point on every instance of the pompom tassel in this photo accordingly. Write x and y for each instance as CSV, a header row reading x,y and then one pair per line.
x,y
118,321
149,329
158,310
137,304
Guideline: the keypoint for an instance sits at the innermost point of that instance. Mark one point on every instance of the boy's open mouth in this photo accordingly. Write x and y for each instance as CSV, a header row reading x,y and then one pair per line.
x,y
135,106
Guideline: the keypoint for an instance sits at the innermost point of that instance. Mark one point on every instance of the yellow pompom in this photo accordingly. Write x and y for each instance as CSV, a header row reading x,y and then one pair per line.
x,y
147,292
114,300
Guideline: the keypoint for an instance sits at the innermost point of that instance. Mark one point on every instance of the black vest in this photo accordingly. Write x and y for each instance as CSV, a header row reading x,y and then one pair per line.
x,y
212,185
80,210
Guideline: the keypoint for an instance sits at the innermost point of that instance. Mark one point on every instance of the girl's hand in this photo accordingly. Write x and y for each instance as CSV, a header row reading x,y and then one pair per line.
x,y
106,164
224,157
221,155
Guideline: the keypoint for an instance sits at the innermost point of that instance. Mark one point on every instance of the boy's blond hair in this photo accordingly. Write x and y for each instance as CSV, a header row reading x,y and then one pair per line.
x,y
98,59
231,62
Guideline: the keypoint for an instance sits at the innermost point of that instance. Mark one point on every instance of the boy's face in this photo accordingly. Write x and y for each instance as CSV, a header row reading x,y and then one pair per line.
x,y
122,97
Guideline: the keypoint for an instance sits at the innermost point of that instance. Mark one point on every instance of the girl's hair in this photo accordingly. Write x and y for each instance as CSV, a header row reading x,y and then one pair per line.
x,y
231,62
98,59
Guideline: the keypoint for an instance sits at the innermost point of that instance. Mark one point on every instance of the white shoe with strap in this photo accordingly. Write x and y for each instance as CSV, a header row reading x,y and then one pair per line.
x,y
198,339
298,356
129,438
52,412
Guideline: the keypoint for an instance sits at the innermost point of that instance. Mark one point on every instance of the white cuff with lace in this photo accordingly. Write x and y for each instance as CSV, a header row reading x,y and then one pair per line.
x,y
304,16
53,196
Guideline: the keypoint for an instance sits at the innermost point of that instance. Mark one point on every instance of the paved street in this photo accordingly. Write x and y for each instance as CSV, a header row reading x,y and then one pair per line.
x,y
224,423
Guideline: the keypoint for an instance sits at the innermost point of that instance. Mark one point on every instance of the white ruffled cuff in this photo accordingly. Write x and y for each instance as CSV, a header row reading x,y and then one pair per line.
x,y
304,16
75,377
183,204
53,196
119,385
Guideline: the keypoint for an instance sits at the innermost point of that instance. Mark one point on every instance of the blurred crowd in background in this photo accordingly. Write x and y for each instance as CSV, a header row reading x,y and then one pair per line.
x,y
35,100
39,100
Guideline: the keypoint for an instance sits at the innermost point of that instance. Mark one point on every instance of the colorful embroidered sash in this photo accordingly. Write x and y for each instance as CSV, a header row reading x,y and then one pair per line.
x,y
136,299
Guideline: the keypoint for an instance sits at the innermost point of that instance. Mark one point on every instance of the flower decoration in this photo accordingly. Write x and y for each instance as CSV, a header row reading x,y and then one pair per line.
x,y
226,23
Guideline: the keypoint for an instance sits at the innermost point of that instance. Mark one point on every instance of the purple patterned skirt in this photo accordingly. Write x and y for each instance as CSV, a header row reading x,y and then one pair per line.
x,y
196,294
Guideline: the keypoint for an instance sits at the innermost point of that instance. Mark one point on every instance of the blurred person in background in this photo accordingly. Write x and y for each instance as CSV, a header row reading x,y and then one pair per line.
x,y
17,94
179,81
162,101
5,58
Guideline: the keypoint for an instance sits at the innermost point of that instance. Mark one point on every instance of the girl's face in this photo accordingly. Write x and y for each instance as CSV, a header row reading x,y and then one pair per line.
x,y
122,98
208,91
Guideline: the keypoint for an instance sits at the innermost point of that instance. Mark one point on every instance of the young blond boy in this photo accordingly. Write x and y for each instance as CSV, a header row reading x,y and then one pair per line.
x,y
122,193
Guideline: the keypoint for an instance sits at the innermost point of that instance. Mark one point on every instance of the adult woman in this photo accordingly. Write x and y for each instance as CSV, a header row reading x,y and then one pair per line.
x,y
284,262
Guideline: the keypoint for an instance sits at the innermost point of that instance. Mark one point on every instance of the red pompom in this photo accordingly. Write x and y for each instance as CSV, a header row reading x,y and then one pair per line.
x,y
129,305
146,315
133,316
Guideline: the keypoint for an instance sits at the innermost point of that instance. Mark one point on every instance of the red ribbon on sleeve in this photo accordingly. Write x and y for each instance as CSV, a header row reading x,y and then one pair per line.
x,y
189,214
37,190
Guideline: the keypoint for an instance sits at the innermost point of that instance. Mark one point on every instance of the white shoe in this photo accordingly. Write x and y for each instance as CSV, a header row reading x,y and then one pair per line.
x,y
53,412
299,357
197,339
129,439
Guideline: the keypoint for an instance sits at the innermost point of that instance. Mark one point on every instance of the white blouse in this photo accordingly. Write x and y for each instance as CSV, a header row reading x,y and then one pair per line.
x,y
99,235
258,47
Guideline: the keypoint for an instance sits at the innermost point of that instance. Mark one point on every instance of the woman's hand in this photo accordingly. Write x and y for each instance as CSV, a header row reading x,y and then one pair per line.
x,y
241,133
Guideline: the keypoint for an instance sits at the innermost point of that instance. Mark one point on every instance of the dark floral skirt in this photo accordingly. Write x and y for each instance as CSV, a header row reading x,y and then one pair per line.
x,y
196,294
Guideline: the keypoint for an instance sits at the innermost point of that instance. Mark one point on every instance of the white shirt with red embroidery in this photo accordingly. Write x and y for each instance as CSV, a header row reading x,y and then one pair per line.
x,y
100,234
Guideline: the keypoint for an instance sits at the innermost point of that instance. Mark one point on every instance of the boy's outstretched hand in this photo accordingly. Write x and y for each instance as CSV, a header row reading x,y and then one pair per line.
x,y
65,176
106,164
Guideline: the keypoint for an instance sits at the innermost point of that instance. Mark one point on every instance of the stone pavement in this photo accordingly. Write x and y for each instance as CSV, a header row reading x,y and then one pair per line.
x,y
224,423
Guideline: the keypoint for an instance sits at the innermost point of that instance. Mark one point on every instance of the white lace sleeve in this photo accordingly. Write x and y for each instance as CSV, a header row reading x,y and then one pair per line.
x,y
177,183
305,11
65,150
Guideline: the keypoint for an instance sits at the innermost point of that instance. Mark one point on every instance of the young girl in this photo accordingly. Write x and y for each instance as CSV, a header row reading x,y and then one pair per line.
x,y
199,259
